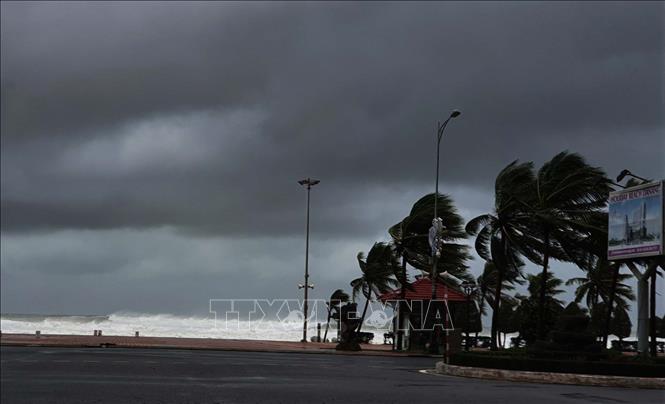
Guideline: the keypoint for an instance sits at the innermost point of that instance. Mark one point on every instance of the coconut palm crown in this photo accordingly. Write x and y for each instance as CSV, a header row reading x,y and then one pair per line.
x,y
378,273
411,237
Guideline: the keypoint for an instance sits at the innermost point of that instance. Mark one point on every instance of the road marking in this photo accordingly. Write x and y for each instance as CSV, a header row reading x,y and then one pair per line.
x,y
61,361
28,361
120,361
91,361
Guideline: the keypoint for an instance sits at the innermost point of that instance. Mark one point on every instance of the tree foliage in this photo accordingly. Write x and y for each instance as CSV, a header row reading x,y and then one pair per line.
x,y
378,273
412,235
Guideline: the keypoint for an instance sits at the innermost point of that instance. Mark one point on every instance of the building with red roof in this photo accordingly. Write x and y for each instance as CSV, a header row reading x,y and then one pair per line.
x,y
414,307
421,289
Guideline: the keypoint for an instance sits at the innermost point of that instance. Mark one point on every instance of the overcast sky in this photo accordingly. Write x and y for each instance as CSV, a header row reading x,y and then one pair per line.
x,y
150,152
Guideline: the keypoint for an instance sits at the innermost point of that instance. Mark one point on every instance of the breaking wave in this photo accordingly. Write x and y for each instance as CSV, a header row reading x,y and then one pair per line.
x,y
164,325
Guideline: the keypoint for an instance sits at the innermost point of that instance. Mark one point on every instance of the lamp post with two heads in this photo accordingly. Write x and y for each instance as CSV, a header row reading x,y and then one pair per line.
x,y
309,183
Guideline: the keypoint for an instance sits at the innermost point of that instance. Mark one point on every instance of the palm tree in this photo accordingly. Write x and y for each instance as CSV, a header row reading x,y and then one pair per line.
x,y
413,232
621,325
487,284
507,323
529,311
565,194
597,284
336,299
378,271
505,235
603,279
399,243
412,237
552,284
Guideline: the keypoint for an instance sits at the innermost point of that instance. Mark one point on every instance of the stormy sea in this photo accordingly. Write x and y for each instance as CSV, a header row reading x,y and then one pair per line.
x,y
167,325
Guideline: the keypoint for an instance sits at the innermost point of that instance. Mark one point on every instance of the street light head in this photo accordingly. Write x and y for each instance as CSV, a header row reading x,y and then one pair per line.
x,y
623,175
455,113
309,182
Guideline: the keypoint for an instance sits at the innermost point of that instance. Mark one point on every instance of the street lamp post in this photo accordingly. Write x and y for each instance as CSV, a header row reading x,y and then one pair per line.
x,y
625,173
309,183
468,288
437,242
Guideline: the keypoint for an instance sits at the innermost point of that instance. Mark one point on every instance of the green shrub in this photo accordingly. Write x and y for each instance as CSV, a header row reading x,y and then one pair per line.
x,y
516,362
572,338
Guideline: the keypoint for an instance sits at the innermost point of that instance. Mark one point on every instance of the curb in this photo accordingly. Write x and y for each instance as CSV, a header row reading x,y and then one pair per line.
x,y
549,377
320,351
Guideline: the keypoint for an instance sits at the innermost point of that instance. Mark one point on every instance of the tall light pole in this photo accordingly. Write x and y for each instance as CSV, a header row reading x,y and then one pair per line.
x,y
469,288
309,183
437,241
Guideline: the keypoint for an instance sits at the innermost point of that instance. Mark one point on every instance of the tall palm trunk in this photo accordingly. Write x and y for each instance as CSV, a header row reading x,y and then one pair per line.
x,y
543,286
594,304
495,311
362,319
325,335
399,333
610,303
483,295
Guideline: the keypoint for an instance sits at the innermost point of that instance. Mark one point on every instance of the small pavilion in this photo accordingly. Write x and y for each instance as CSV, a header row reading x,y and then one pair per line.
x,y
415,303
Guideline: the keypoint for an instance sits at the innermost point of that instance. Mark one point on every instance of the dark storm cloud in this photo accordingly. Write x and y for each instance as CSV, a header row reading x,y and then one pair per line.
x,y
202,117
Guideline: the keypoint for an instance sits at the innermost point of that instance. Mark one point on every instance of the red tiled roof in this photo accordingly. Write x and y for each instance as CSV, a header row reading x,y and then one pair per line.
x,y
422,290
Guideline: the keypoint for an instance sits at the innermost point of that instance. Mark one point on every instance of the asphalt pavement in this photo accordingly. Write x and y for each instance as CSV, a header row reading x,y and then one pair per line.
x,y
116,375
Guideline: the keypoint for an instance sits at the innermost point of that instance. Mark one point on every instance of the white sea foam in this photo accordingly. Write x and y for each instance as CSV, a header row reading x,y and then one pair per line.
x,y
166,325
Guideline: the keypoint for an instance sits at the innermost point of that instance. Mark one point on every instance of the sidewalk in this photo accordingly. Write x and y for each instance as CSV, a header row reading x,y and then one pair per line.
x,y
190,343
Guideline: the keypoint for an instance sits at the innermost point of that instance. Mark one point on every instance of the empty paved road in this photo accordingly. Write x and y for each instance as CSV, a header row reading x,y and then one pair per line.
x,y
114,375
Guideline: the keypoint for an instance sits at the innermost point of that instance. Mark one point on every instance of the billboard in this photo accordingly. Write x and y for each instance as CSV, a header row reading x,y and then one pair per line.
x,y
635,227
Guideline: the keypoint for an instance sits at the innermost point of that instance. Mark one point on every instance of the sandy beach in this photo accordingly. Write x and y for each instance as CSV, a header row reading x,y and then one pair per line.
x,y
188,343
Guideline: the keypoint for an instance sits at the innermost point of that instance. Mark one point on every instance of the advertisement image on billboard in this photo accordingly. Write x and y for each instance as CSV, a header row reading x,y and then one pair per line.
x,y
635,227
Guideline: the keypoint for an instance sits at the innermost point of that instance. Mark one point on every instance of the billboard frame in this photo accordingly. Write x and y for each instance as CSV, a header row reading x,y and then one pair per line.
x,y
618,196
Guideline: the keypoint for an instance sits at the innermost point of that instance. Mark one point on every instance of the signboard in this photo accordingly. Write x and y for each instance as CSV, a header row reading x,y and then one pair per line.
x,y
635,227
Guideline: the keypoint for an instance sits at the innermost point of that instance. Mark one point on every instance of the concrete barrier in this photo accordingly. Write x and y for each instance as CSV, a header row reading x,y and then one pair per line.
x,y
551,377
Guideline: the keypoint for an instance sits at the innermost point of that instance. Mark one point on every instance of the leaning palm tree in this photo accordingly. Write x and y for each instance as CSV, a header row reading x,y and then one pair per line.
x,y
378,271
504,236
566,193
596,285
486,282
399,243
412,234
413,231
334,304
489,287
